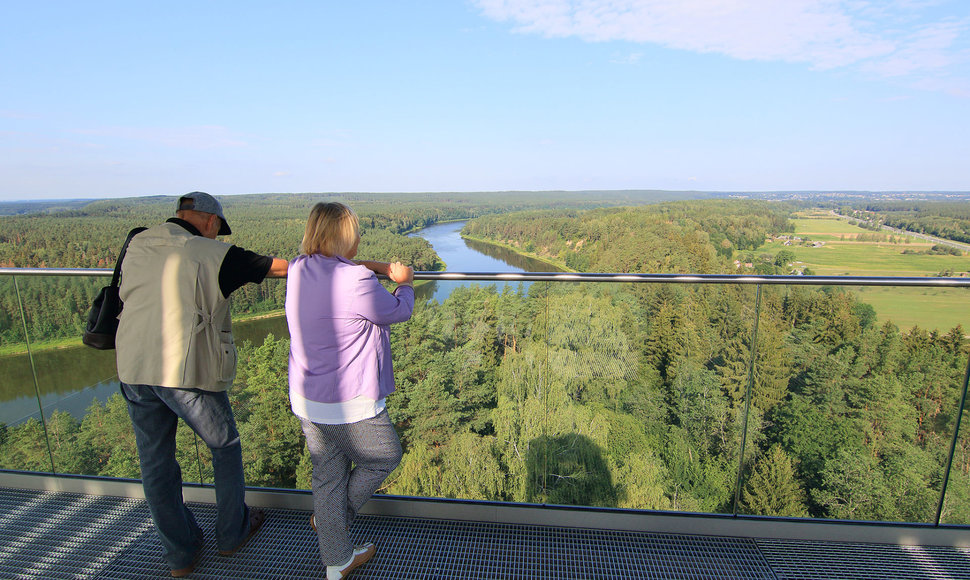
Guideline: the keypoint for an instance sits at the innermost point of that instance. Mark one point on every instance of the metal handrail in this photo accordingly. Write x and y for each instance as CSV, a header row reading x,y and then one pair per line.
x,y
911,281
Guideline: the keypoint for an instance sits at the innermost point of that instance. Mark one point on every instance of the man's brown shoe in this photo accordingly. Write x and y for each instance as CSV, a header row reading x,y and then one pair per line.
x,y
256,519
181,572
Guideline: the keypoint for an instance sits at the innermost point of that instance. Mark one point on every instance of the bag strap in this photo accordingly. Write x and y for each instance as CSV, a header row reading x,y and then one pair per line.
x,y
116,277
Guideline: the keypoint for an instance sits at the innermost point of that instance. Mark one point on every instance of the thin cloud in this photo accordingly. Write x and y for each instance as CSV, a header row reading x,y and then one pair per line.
x,y
631,58
928,49
886,38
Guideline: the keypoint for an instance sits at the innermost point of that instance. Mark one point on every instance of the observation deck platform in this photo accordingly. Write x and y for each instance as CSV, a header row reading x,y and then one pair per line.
x,y
107,533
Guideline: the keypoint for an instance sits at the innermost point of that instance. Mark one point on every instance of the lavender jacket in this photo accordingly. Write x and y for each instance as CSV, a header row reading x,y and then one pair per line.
x,y
339,318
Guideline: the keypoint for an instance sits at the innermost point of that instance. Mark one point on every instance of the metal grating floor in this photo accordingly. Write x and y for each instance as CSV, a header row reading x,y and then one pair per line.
x,y
64,535
810,560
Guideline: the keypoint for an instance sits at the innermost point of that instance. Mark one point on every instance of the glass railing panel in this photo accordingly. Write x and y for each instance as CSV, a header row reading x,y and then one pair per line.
x,y
23,443
272,441
859,410
58,371
956,506
589,358
943,315
86,418
257,311
629,395
698,352
469,381
770,484
447,361
644,396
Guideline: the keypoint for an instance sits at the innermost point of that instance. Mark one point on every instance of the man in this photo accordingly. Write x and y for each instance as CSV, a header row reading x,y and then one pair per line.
x,y
176,358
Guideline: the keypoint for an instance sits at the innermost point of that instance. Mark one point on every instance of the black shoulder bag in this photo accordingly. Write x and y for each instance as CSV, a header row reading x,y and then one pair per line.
x,y
103,318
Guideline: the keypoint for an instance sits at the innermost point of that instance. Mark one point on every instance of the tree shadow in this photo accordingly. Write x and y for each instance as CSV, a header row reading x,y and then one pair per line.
x,y
568,470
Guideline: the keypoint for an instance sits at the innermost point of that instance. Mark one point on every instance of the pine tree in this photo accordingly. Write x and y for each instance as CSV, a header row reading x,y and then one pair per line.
x,y
107,431
271,434
773,489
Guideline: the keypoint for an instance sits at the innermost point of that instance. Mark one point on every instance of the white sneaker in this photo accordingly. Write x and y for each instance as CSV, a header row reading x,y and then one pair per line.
x,y
360,557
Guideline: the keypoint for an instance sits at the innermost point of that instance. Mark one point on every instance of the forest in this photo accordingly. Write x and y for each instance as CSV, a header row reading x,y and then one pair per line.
x,y
90,236
621,395
941,219
699,237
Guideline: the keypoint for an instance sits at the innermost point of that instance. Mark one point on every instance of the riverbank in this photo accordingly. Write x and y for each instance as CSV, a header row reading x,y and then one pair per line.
x,y
413,231
560,265
62,343
21,348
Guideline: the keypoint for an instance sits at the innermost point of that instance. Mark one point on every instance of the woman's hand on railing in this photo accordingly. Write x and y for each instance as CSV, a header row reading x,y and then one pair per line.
x,y
401,274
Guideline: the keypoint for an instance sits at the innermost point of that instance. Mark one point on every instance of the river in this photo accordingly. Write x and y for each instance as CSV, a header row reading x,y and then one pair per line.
x,y
69,379
461,255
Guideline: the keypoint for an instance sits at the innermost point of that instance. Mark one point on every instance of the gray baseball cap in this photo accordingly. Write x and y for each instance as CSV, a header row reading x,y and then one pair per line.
x,y
202,201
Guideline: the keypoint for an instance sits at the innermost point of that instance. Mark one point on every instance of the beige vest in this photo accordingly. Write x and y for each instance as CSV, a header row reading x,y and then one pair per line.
x,y
175,329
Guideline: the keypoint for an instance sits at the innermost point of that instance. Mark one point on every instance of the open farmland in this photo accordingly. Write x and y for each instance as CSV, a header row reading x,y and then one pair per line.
x,y
842,254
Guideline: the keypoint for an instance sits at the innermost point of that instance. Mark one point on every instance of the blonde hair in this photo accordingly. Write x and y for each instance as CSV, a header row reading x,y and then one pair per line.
x,y
332,230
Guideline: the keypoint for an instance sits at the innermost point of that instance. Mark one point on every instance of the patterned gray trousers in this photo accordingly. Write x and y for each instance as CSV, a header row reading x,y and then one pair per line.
x,y
349,463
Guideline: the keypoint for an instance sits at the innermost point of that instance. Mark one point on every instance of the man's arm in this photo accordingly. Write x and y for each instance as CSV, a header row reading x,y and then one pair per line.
x,y
277,269
241,267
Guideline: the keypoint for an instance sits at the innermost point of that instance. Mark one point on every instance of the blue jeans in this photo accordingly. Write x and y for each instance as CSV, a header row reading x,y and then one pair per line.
x,y
154,413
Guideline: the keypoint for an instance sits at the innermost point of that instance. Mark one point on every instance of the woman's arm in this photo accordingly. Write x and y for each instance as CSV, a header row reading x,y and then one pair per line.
x,y
375,267
379,306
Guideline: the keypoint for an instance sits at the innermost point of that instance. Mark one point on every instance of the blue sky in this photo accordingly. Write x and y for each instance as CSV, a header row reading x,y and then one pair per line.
x,y
124,99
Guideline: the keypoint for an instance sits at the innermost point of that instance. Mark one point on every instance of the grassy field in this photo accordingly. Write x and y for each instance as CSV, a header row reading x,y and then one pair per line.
x,y
814,225
875,259
843,255
930,308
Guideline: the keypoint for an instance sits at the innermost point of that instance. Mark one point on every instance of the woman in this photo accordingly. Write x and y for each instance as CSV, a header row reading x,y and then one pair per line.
x,y
340,372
